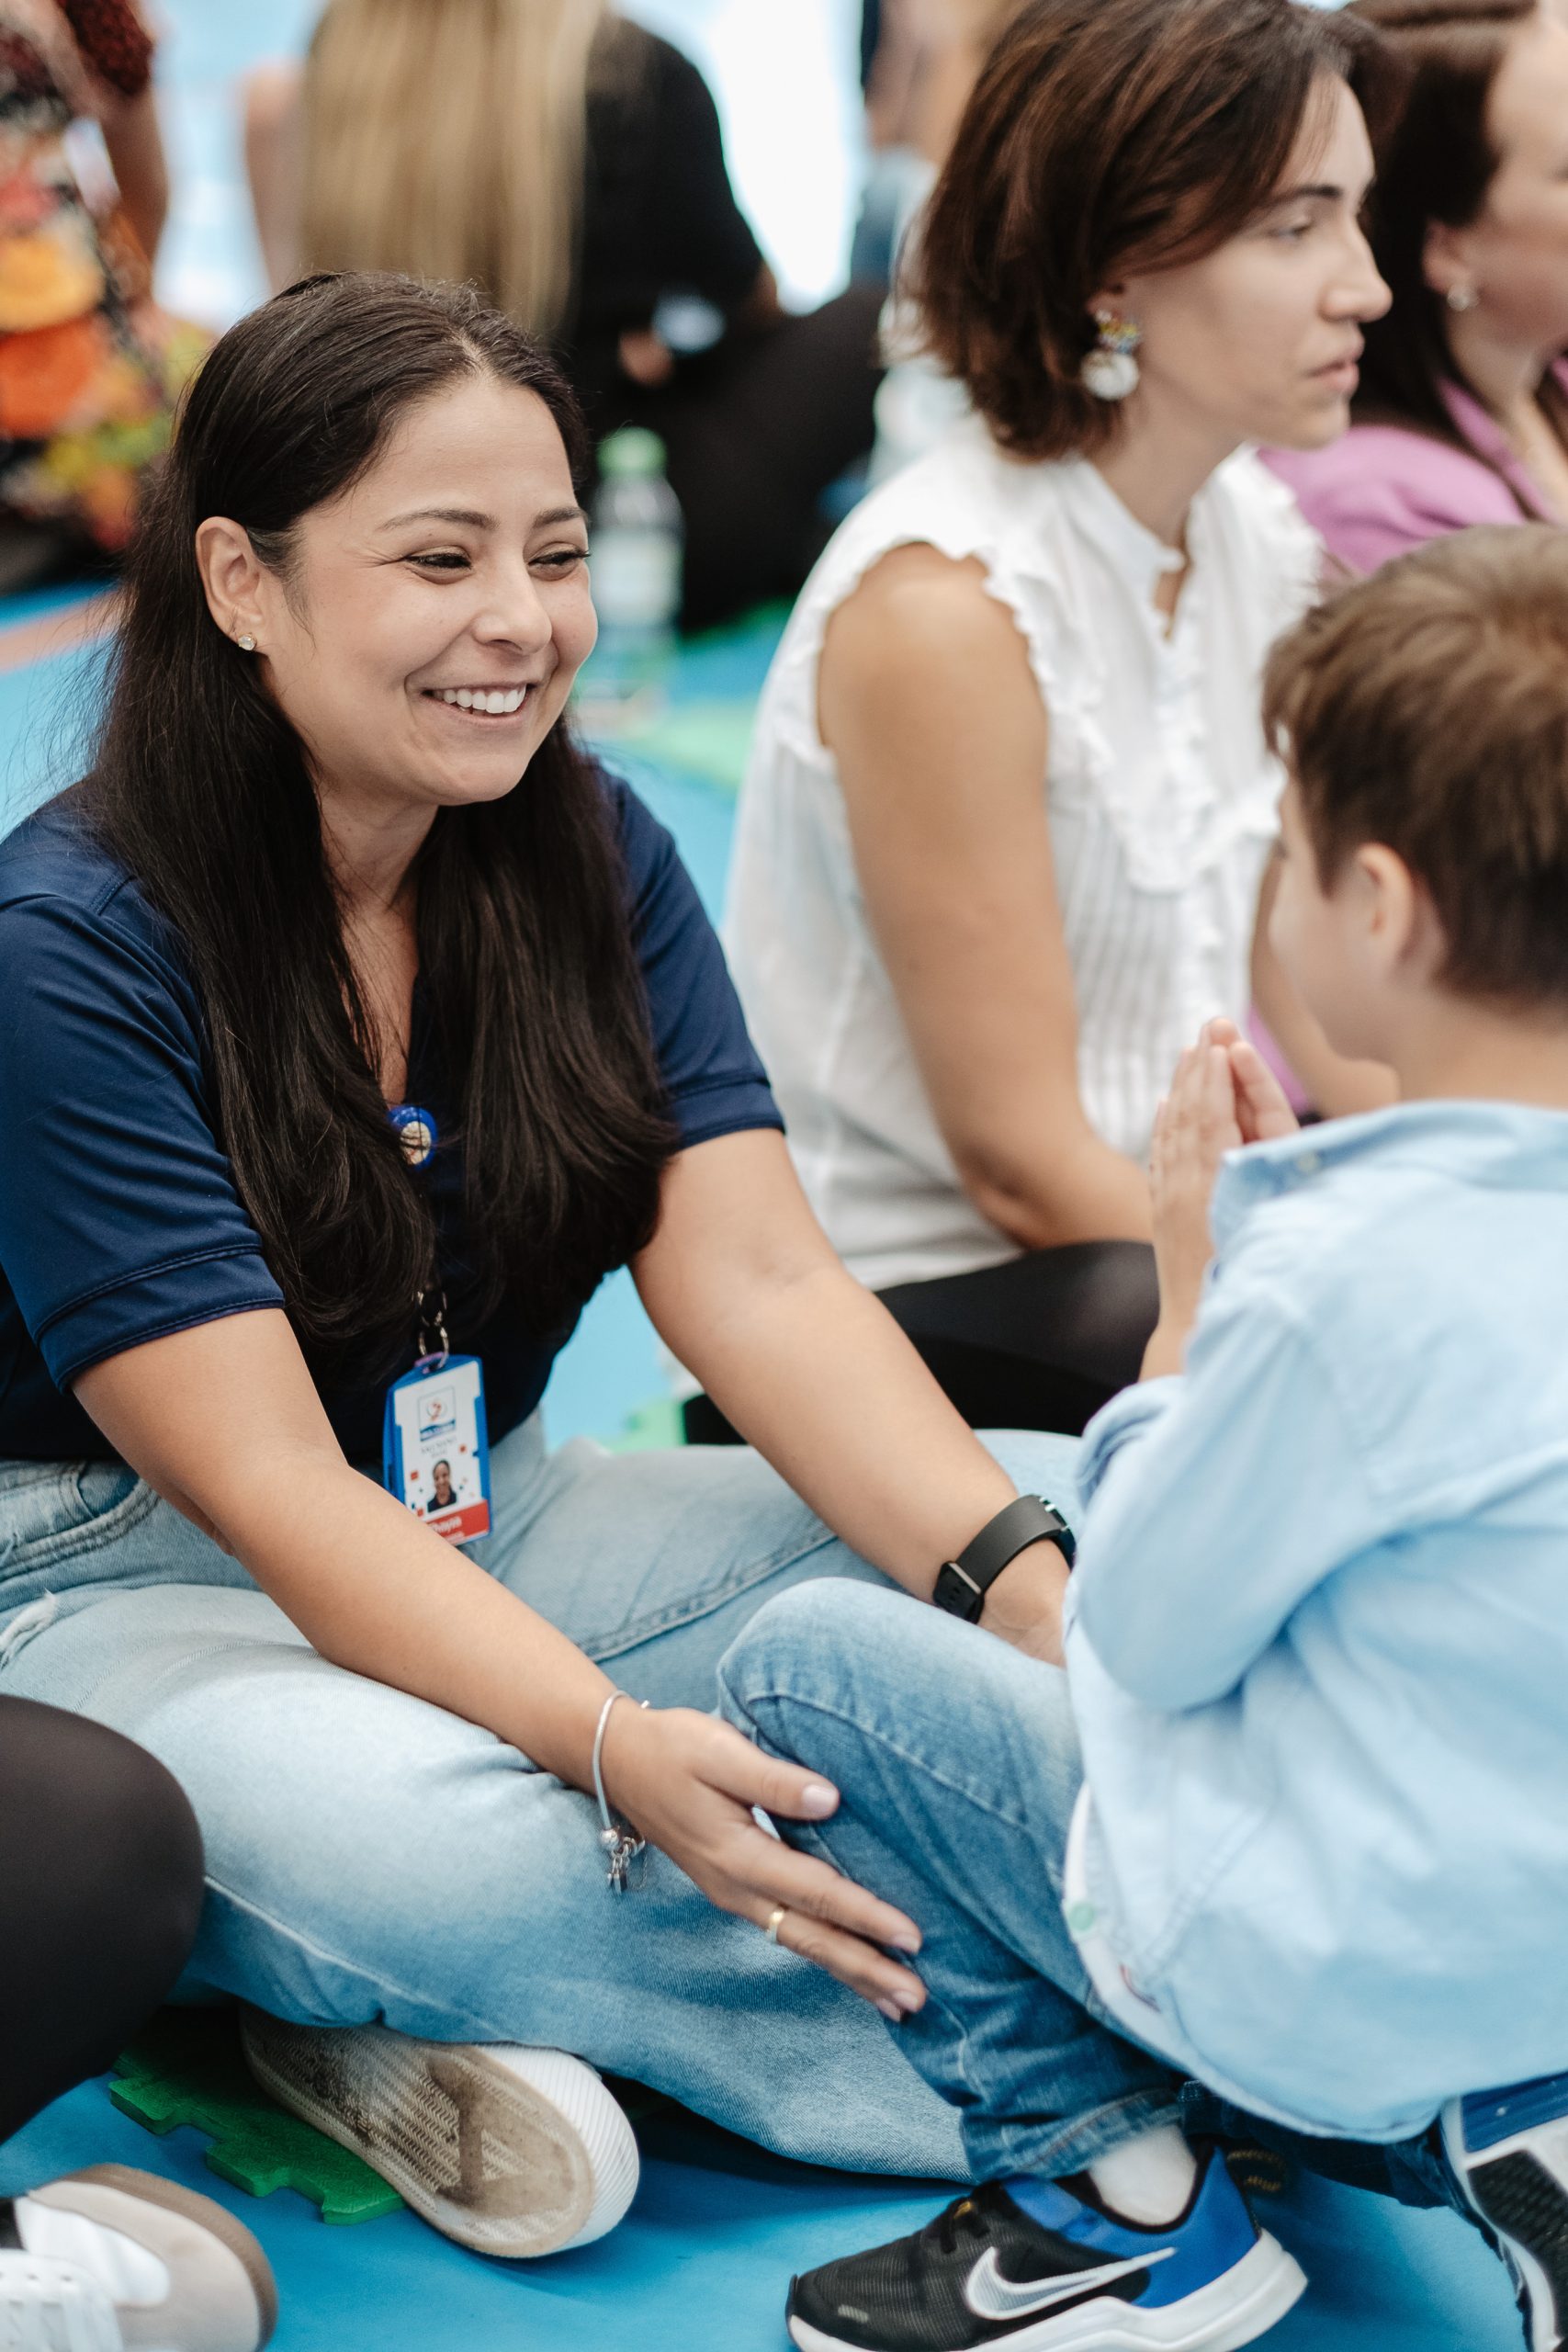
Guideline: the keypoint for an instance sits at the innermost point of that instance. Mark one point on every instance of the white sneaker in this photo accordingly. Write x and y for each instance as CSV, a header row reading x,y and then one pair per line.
x,y
513,2151
112,2260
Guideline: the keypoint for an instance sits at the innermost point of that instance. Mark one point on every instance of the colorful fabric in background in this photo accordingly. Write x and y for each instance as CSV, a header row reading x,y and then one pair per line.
x,y
90,367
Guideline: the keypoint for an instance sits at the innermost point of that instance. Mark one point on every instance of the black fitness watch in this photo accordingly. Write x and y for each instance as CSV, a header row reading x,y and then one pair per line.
x,y
962,1587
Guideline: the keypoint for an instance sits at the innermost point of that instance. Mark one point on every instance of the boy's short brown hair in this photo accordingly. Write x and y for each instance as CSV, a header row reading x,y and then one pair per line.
x,y
1427,708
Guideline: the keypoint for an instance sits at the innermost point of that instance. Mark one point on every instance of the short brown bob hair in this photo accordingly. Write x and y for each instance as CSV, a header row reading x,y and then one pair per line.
x,y
1427,708
1104,136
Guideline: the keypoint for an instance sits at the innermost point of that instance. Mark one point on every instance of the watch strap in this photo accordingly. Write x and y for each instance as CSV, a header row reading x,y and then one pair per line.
x,y
963,1584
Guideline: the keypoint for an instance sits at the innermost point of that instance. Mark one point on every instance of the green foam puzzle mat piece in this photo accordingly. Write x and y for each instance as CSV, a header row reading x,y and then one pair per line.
x,y
187,2067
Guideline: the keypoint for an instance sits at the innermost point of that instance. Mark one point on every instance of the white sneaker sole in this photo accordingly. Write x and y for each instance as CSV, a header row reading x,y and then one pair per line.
x,y
514,2155
1237,2309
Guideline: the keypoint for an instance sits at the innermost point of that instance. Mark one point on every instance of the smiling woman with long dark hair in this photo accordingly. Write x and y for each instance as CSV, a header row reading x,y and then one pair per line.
x,y
357,1023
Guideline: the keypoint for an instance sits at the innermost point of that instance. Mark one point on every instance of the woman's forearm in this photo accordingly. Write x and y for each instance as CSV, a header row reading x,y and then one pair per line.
x,y
1057,1194
741,1284
223,1420
822,1381
377,1592
817,1374
135,147
274,164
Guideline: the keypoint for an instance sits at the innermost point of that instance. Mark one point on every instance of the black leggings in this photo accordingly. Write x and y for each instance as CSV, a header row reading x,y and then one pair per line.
x,y
100,1891
1040,1343
755,430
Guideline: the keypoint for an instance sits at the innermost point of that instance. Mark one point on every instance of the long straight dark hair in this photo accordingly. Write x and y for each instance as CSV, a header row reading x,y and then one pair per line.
x,y
200,789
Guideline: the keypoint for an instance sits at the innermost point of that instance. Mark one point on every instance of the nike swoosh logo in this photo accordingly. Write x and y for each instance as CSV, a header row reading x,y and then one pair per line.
x,y
990,2296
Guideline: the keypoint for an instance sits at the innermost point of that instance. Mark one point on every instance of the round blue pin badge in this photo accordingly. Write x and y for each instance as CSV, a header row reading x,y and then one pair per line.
x,y
417,1132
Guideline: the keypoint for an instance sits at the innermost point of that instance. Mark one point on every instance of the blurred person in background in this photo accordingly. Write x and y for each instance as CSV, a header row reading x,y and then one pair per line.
x,y
920,60
918,64
90,367
1462,414
924,74
570,164
1009,808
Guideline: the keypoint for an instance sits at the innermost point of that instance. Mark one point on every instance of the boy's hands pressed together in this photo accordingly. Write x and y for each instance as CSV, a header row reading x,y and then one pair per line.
x,y
1224,1095
1262,1107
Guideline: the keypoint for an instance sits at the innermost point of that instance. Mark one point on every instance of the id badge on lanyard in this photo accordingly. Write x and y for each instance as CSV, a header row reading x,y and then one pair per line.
x,y
435,1448
434,1443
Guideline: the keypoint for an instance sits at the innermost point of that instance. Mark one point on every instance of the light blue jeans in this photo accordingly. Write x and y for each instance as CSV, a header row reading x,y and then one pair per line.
x,y
370,1857
958,1767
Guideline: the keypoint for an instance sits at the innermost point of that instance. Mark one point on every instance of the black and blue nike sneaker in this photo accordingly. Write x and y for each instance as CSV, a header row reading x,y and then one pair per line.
x,y
1509,2151
1038,2266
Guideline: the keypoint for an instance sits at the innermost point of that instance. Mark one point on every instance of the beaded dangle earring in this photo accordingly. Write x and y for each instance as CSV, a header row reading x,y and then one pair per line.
x,y
1110,371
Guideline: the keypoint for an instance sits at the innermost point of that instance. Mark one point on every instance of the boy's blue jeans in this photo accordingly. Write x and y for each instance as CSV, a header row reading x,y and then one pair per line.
x,y
957,1763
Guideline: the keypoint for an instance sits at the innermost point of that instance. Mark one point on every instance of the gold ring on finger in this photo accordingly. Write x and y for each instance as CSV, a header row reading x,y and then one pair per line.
x,y
776,1918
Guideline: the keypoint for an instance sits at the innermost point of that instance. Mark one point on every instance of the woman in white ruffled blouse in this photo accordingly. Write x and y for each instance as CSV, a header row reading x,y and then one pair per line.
x,y
1009,807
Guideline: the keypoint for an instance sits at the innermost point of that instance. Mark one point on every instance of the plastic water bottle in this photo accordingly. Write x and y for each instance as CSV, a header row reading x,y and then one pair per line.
x,y
635,563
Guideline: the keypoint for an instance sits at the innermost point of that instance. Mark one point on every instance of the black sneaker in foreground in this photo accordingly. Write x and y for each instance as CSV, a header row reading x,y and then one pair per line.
x,y
1073,2279
1509,2151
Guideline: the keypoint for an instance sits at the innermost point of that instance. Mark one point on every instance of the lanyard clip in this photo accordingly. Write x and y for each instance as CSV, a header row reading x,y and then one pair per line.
x,y
434,1346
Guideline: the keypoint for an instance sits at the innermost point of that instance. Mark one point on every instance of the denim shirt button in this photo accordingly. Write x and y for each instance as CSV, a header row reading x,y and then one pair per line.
x,y
1308,1163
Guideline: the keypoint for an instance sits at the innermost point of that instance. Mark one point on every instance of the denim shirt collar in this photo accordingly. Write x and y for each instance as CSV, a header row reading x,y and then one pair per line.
x,y
1499,1145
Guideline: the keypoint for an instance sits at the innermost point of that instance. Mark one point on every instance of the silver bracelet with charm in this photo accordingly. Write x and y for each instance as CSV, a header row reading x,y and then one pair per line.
x,y
622,1845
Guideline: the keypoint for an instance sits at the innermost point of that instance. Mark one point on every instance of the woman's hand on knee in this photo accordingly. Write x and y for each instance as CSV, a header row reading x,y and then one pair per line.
x,y
688,1783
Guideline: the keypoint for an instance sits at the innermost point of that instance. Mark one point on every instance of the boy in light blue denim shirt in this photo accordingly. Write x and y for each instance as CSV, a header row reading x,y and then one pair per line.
x,y
1294,1822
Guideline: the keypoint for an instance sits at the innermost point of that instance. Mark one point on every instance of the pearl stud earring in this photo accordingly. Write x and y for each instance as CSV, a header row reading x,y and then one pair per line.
x,y
247,644
1463,298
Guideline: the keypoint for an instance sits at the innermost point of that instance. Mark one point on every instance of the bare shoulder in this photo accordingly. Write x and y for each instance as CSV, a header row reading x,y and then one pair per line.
x,y
921,624
917,598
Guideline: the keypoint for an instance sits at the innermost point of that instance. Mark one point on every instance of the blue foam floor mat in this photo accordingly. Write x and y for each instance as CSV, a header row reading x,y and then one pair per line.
x,y
703,2259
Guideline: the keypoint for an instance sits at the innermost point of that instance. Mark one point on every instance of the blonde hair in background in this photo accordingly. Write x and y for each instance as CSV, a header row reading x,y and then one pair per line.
x,y
445,138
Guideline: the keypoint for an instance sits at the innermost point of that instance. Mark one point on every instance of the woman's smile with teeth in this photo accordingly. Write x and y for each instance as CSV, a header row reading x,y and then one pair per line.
x,y
497,702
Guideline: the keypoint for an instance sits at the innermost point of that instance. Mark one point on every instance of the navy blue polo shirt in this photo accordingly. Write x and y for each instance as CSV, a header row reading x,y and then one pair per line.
x,y
120,1220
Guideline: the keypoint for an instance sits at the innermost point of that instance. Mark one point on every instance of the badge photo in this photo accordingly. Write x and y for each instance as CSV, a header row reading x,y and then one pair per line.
x,y
436,1446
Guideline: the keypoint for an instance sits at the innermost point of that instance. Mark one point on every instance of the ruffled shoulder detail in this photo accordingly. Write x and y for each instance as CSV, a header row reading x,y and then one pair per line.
x,y
968,500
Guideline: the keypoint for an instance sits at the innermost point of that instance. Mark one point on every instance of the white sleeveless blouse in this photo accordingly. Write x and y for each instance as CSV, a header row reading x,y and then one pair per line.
x,y
1161,795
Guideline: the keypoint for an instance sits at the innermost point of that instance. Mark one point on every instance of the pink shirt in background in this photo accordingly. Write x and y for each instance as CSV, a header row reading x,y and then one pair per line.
x,y
1382,489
